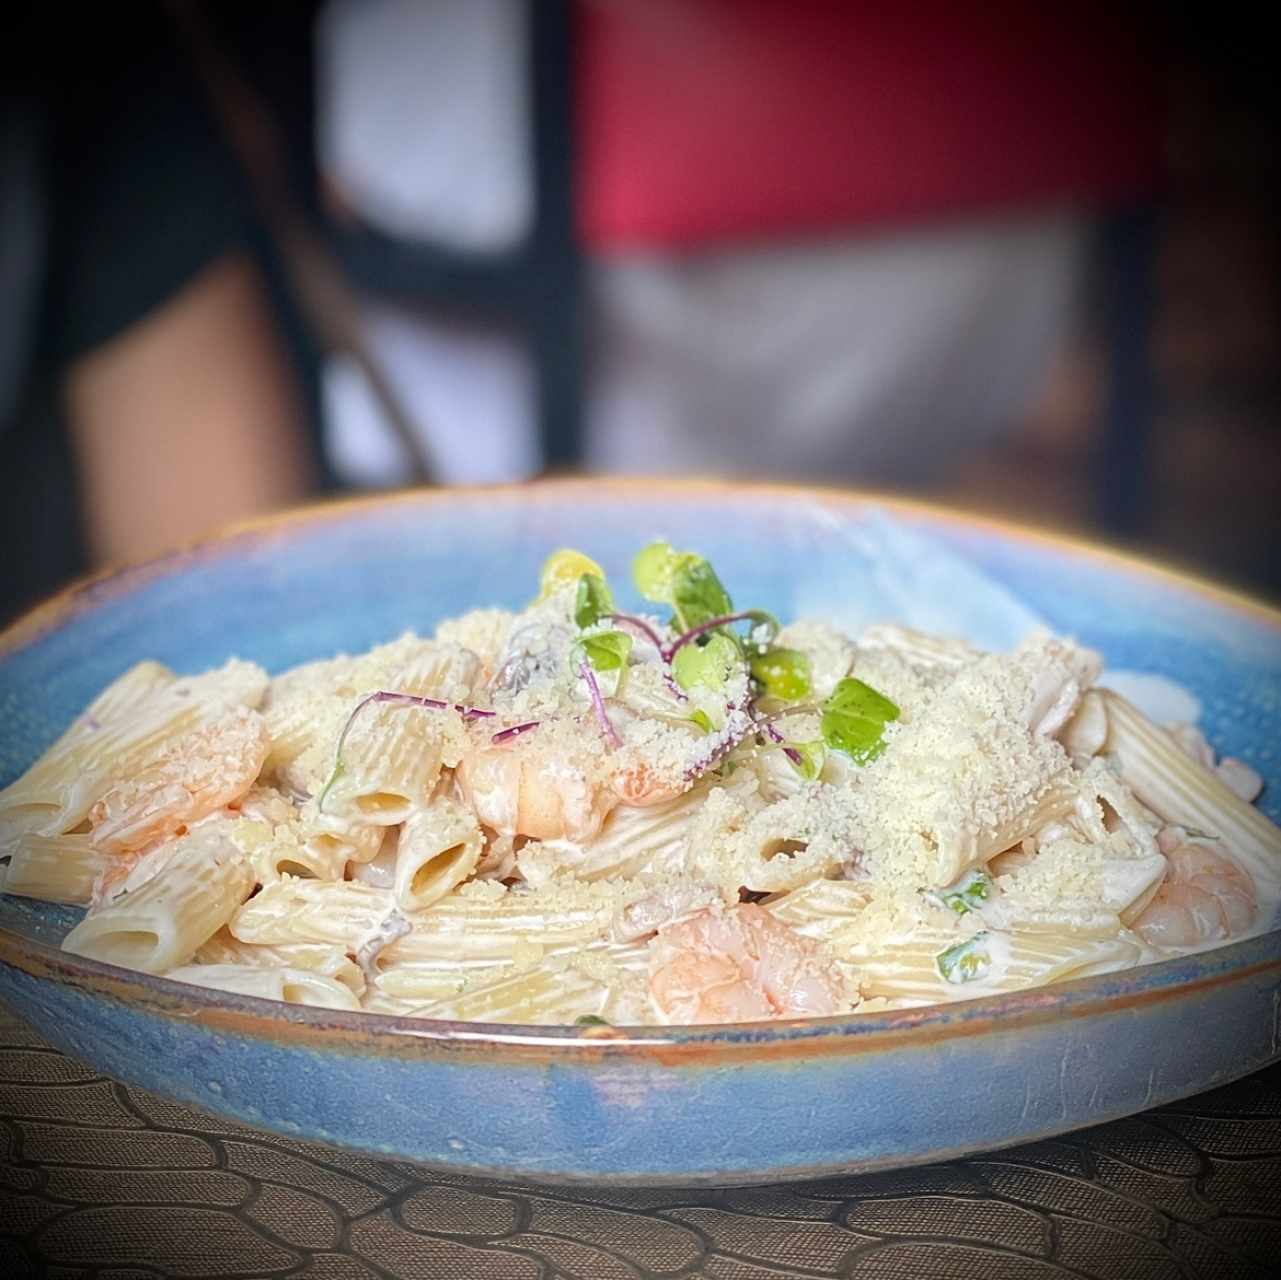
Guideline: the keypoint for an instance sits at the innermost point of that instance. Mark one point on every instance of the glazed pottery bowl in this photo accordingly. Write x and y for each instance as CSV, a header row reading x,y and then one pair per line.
x,y
730,1104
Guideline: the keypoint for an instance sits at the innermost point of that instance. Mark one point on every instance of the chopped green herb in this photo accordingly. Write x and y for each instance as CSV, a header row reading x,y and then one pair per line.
x,y
785,674
590,1020
966,895
706,664
967,961
593,601
854,720
606,653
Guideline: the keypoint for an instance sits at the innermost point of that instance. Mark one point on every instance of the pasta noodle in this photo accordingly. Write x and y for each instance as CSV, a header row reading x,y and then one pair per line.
x,y
571,814
1174,786
292,986
163,923
438,849
55,868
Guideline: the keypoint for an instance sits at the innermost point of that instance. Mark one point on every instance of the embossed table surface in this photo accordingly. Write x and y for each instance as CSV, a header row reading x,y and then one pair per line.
x,y
98,1179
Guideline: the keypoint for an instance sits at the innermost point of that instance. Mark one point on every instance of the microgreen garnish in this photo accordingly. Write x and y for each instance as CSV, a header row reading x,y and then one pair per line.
x,y
764,629
564,568
967,961
598,705
403,699
514,731
682,579
607,653
966,894
784,673
807,758
698,596
702,719
706,666
854,720
639,625
593,601
654,570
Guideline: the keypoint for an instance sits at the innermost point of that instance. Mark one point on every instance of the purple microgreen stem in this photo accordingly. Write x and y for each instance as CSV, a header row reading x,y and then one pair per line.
x,y
389,695
773,734
638,625
598,706
799,709
751,615
506,735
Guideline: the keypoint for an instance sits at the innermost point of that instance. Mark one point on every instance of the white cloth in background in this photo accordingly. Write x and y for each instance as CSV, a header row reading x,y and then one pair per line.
x,y
882,357
422,117
470,391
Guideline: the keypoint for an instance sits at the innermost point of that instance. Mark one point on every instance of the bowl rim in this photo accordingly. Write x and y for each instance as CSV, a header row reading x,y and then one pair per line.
x,y
231,1012
64,602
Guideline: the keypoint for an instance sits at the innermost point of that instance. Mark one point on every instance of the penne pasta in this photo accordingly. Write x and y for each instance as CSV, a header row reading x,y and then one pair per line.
x,y
565,813
161,924
289,985
633,840
318,957
822,908
547,994
55,868
290,910
424,981
1182,791
941,965
437,850
56,794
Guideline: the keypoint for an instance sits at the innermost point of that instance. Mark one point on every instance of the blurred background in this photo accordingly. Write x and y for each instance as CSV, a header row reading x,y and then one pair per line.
x,y
1022,258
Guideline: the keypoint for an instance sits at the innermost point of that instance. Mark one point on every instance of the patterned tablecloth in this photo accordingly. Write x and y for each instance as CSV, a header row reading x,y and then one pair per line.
x,y
98,1179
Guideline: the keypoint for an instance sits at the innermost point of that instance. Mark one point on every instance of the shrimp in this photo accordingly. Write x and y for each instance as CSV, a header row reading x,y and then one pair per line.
x,y
524,789
1205,896
198,773
529,793
739,965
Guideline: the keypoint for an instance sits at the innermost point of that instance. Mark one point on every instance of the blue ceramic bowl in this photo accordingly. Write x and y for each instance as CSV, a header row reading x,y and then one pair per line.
x,y
649,1106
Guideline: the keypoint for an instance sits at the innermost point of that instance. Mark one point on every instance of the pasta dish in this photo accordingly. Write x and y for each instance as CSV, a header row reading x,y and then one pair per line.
x,y
691,814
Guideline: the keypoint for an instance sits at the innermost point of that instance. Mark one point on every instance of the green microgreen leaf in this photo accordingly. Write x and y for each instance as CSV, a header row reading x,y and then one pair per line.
x,y
854,720
606,653
784,673
593,601
706,664
654,567
697,595
967,961
703,720
682,579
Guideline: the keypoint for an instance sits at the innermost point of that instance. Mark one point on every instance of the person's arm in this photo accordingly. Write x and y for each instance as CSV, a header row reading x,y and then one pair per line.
x,y
188,419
